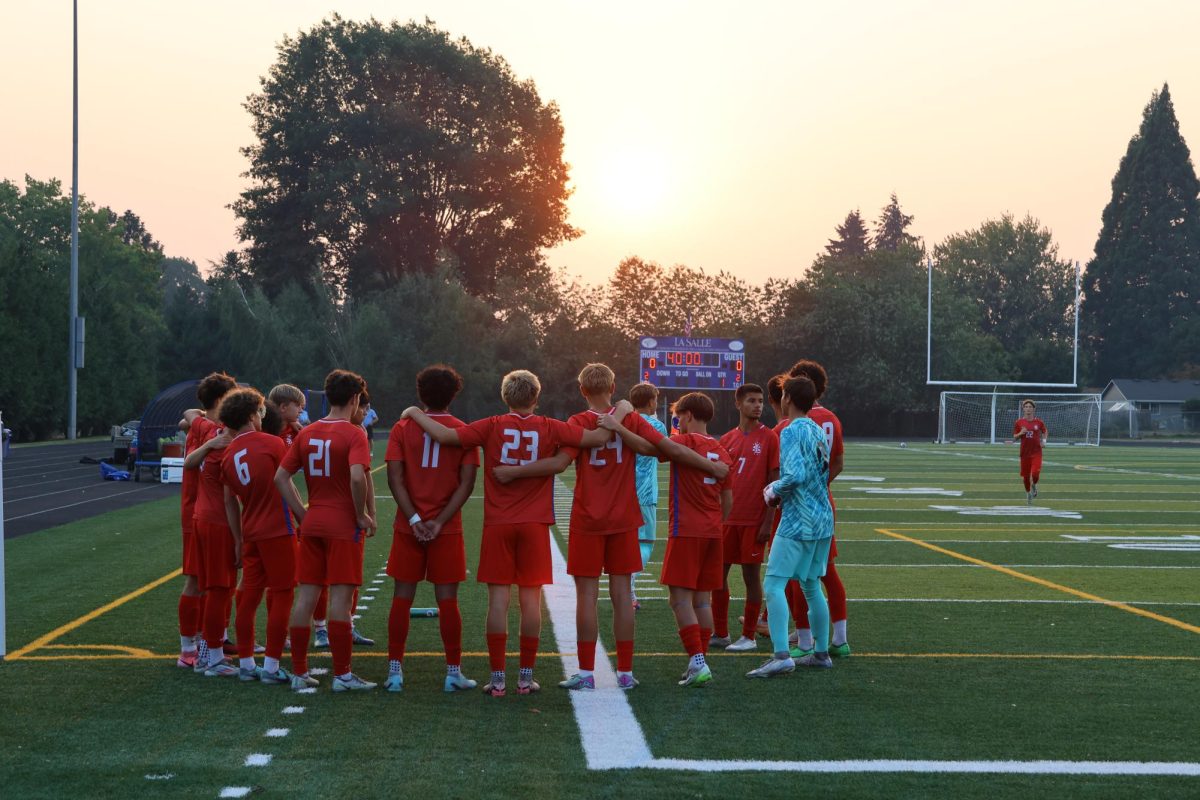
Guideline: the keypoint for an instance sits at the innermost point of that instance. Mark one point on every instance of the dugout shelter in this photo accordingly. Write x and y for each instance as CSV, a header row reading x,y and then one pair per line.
x,y
160,420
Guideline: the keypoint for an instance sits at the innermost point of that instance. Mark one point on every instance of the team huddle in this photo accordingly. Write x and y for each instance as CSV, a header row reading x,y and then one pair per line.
x,y
757,495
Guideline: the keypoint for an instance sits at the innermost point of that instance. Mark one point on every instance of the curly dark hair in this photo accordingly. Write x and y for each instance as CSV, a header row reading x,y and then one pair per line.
x,y
813,371
239,407
213,388
438,385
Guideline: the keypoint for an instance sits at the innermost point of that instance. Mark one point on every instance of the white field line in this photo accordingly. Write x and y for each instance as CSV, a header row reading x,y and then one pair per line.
x,y
612,738
235,791
258,760
81,502
1014,459
846,508
1006,602
1015,524
1029,566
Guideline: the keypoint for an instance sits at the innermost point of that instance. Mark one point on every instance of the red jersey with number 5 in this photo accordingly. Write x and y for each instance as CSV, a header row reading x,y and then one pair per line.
x,y
431,472
511,439
606,478
248,469
325,451
695,495
754,455
1031,431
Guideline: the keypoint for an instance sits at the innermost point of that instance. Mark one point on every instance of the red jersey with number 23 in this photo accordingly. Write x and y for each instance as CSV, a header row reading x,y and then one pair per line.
x,y
512,439
326,450
754,455
1031,431
431,472
606,478
248,469
696,495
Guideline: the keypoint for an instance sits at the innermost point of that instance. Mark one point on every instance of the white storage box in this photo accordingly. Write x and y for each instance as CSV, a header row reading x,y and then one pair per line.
x,y
172,470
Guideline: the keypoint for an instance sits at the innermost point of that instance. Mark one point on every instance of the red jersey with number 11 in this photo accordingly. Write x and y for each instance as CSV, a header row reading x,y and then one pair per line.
x,y
431,472
326,450
248,469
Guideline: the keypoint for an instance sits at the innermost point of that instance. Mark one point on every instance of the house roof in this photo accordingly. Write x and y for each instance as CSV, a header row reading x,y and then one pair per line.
x,y
1141,390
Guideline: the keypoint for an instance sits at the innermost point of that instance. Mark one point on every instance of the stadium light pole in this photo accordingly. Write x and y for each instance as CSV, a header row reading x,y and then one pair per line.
x,y
75,349
1075,372
3,610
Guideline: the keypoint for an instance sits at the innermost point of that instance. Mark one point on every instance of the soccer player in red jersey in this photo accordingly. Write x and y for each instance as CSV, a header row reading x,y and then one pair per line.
x,y
831,426
430,484
605,518
516,516
263,524
199,426
1032,434
754,449
335,457
290,402
699,505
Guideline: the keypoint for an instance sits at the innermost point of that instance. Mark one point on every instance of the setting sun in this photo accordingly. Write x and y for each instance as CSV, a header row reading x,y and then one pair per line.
x,y
635,183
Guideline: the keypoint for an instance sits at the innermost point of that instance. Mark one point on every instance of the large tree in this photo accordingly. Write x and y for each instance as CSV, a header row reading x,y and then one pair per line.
x,y
1143,285
852,237
384,150
891,230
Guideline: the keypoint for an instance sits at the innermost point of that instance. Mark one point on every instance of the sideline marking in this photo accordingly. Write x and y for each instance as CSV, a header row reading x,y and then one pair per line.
x,y
897,765
84,502
1043,582
45,639
258,760
235,791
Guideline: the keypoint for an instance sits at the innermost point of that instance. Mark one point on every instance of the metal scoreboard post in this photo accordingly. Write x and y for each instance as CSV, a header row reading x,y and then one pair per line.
x,y
692,362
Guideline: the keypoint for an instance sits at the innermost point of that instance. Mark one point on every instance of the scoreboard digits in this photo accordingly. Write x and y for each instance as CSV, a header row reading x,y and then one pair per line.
x,y
687,362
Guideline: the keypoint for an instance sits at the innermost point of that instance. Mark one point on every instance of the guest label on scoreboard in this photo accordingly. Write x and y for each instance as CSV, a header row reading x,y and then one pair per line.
x,y
692,362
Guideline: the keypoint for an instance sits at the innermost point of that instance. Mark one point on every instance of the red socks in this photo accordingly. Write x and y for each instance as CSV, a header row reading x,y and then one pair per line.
x,y
277,622
836,593
450,623
216,600
247,605
398,621
189,614
587,655
625,656
690,636
340,645
750,623
529,649
300,636
705,635
720,610
497,643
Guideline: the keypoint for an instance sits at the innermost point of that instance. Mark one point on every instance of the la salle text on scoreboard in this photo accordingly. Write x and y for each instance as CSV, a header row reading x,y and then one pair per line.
x,y
692,362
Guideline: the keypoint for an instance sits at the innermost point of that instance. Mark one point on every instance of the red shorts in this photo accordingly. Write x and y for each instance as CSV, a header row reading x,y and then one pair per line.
x,y
443,560
589,554
269,563
329,562
693,563
517,554
215,557
1031,465
741,544
191,559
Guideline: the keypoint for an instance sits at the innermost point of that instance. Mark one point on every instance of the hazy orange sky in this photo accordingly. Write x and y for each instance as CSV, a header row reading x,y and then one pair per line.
x,y
699,133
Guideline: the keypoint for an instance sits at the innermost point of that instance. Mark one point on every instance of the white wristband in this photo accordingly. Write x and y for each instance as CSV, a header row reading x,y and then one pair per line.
x,y
414,519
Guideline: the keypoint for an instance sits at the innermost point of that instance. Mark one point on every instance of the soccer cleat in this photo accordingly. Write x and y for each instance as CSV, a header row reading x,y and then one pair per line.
x,y
626,682
696,677
394,682
773,667
229,647
247,675
279,676
187,660
1034,490
797,653
222,669
794,638
579,682
494,689
718,641
360,640
742,645
304,681
1029,498
457,683
524,687
352,684
259,649
199,667
839,650
814,660
321,638
637,604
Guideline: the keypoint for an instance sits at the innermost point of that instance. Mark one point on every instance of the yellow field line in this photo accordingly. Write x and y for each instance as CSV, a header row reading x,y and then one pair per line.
x,y
42,641
1141,612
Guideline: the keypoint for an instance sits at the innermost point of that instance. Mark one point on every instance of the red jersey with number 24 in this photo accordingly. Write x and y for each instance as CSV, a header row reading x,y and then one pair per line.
x,y
248,469
754,455
326,450
1031,431
695,495
431,472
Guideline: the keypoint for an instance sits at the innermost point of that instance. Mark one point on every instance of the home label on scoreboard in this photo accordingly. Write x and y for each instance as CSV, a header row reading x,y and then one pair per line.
x,y
692,362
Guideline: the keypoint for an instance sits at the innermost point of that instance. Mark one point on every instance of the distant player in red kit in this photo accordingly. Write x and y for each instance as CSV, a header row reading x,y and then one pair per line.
x,y
1031,433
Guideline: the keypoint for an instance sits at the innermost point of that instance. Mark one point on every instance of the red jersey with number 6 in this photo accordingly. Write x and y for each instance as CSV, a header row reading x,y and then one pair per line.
x,y
695,495
512,439
1032,431
326,450
431,472
754,455
248,469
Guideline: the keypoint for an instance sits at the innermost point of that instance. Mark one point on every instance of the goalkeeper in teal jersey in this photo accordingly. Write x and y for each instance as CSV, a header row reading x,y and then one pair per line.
x,y
801,546
644,398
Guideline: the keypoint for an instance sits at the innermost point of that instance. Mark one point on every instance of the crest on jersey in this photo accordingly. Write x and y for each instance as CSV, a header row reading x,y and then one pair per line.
x,y
757,448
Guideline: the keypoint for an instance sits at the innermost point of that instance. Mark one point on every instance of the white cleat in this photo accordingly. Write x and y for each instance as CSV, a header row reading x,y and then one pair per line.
x,y
773,667
352,684
717,642
742,645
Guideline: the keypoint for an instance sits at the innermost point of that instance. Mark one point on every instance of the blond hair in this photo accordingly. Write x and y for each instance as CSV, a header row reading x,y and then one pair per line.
x,y
520,389
596,379
286,393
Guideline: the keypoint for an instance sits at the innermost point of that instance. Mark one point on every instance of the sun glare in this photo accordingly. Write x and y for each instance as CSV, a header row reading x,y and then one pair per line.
x,y
635,183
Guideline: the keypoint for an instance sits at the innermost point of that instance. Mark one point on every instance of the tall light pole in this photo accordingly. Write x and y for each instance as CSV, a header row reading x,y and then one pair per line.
x,y
76,346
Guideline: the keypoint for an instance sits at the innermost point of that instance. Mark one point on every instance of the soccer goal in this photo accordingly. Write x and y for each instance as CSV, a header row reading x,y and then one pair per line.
x,y
988,417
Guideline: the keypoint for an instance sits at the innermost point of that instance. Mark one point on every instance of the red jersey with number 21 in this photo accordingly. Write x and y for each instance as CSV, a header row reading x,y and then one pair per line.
x,y
1031,431
248,469
696,495
431,472
509,440
326,450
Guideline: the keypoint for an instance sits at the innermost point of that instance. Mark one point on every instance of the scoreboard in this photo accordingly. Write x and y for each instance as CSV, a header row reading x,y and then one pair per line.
x,y
689,362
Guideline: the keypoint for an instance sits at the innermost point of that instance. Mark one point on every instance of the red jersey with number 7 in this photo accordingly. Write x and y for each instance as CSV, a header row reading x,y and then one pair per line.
x,y
431,472
606,478
510,440
248,469
325,451
696,495
754,455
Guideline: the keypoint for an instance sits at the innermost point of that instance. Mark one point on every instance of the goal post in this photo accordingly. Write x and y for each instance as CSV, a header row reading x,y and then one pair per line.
x,y
988,417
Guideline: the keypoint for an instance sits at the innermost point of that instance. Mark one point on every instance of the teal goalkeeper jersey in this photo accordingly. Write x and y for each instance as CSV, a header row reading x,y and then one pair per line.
x,y
803,483
647,468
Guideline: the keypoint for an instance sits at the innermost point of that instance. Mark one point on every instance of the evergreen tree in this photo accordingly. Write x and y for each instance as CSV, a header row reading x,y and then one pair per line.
x,y
1143,284
852,237
891,231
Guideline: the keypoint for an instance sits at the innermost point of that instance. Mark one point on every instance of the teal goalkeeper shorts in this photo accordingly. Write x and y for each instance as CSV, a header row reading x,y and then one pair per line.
x,y
797,559
649,530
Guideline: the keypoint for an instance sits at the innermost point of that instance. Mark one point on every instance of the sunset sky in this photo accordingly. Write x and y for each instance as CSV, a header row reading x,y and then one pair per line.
x,y
698,133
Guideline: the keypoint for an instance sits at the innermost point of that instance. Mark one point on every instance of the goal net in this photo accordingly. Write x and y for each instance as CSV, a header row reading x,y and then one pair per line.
x,y
988,417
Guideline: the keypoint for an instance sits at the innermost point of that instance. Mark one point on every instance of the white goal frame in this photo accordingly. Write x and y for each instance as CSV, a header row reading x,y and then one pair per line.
x,y
1008,404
